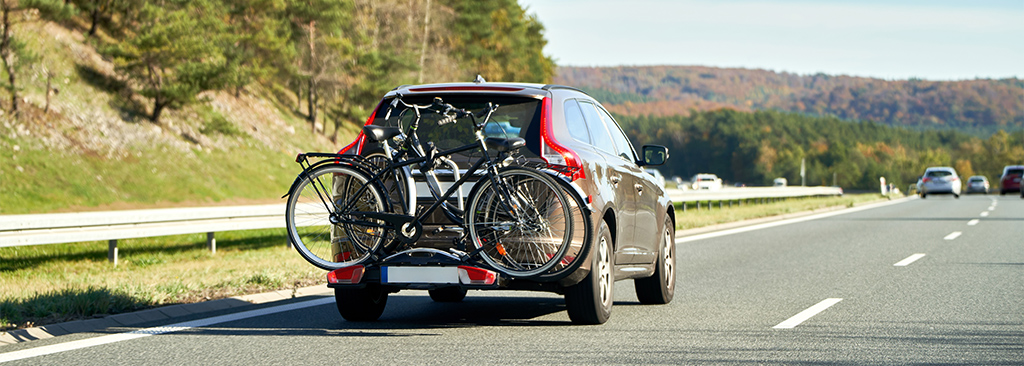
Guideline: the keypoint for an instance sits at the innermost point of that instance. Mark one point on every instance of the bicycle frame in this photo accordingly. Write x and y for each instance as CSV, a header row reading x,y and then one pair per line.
x,y
409,226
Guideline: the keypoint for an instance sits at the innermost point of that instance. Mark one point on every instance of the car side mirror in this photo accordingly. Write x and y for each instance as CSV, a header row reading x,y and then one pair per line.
x,y
654,155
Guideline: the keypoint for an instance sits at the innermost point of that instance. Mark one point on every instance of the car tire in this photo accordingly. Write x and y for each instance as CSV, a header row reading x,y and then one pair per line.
x,y
660,287
363,304
590,301
957,196
924,195
447,294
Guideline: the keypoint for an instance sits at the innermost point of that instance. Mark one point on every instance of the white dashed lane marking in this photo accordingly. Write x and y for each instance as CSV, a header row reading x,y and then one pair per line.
x,y
909,260
807,314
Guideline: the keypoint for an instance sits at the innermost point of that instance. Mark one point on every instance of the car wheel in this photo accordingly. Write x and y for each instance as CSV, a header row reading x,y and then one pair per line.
x,y
447,294
1002,192
957,196
361,305
924,195
659,288
590,301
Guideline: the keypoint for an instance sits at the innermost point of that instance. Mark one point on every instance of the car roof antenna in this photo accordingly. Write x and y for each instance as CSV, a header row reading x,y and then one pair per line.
x,y
479,79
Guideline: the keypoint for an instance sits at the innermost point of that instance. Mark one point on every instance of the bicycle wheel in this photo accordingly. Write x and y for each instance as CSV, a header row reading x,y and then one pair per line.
x,y
323,221
395,184
521,226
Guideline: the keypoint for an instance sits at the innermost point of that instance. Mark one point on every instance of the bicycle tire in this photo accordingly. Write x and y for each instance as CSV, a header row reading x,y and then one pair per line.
x,y
582,238
324,237
394,183
523,241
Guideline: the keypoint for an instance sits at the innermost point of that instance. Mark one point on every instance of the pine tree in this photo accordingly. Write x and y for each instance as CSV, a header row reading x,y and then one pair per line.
x,y
172,53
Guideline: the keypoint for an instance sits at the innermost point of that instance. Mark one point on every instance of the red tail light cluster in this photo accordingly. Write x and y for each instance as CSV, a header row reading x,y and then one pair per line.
x,y
551,151
347,276
476,276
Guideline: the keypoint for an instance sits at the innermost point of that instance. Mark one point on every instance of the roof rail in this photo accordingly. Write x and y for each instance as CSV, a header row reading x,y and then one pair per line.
x,y
556,86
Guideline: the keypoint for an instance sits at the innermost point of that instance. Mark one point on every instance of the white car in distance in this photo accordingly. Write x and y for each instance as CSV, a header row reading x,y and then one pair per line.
x,y
706,181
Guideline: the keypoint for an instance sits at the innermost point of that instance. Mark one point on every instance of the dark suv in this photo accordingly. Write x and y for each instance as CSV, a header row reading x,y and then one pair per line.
x,y
632,219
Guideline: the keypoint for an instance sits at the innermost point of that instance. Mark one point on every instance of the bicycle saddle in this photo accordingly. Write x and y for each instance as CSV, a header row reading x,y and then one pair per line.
x,y
379,133
504,145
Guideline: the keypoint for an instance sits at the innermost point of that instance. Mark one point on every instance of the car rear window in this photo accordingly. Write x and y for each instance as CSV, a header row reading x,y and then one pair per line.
x,y
976,180
1015,172
939,173
515,117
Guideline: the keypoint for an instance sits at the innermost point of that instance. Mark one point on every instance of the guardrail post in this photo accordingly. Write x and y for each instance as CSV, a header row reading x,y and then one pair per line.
x,y
211,243
698,205
112,252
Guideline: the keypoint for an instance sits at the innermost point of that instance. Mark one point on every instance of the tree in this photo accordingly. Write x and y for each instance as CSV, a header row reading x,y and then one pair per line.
x,y
256,45
14,54
318,37
498,40
170,60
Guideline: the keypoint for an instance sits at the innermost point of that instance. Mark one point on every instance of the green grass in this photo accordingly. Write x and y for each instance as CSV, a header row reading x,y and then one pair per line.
x,y
51,283
37,181
694,218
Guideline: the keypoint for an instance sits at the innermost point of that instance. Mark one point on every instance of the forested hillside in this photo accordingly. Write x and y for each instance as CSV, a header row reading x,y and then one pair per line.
x,y
142,101
979,106
756,147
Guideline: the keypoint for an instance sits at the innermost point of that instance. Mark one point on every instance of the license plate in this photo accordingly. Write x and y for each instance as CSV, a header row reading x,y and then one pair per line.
x,y
420,275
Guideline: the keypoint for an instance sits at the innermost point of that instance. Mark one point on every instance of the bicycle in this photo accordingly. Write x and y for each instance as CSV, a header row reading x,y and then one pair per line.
x,y
517,220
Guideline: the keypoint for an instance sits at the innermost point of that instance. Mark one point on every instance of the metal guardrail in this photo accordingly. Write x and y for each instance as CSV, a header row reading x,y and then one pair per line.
x,y
38,229
726,194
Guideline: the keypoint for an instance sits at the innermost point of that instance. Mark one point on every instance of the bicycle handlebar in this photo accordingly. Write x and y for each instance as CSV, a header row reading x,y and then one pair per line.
x,y
450,113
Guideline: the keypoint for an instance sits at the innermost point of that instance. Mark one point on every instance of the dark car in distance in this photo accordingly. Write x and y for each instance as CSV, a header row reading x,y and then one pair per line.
x,y
1011,178
632,219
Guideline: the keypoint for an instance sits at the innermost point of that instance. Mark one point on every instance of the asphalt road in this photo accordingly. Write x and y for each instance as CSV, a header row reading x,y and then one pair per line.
x,y
851,288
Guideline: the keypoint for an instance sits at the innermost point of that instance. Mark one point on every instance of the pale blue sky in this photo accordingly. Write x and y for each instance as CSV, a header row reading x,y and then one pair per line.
x,y
897,39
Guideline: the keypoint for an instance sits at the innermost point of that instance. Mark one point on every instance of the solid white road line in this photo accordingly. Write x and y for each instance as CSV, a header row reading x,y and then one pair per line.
x,y
972,222
85,343
953,235
807,314
909,260
984,214
786,222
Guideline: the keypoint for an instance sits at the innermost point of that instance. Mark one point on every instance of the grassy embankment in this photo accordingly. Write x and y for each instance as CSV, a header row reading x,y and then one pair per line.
x,y
696,218
52,283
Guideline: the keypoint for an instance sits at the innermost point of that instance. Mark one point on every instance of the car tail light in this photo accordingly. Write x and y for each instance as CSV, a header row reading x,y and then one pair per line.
x,y
361,139
476,276
926,180
347,276
551,151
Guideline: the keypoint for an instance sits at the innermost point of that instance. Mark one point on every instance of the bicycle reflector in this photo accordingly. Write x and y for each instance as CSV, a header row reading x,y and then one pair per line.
x,y
346,276
476,276
551,151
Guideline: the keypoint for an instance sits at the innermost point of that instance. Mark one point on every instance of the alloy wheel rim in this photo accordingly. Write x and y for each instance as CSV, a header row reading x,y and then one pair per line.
x,y
605,272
